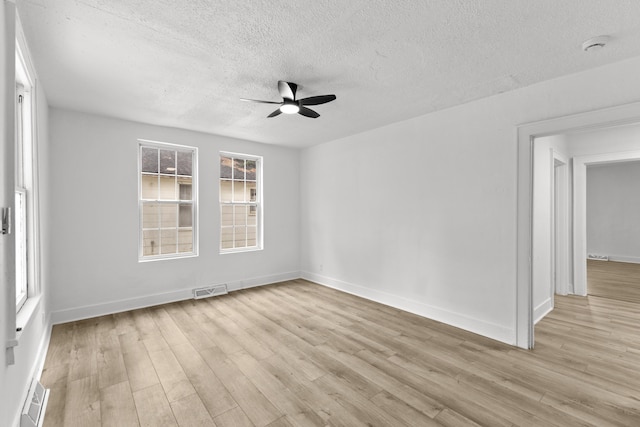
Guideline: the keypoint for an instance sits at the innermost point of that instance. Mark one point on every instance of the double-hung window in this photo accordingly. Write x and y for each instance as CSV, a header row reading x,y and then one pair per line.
x,y
22,193
240,202
25,215
167,200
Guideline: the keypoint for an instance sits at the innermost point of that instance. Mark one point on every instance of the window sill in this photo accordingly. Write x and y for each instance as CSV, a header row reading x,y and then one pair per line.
x,y
167,257
239,251
26,314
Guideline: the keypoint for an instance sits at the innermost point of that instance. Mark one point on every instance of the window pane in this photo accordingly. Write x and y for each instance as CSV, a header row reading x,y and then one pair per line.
x,y
184,186
225,190
185,215
149,187
185,161
149,159
227,238
168,216
251,236
21,246
150,215
251,191
238,169
168,188
240,217
225,167
252,217
238,191
150,242
251,170
227,216
185,241
169,240
168,162
240,237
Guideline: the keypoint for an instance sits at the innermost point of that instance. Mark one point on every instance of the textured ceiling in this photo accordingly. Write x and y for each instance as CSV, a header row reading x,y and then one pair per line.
x,y
186,63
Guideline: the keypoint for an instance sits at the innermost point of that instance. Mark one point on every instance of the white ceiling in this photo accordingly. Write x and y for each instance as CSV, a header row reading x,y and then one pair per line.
x,y
186,63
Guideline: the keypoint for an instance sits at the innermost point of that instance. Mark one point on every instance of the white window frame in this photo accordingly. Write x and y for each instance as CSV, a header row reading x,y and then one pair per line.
x,y
194,202
26,177
255,206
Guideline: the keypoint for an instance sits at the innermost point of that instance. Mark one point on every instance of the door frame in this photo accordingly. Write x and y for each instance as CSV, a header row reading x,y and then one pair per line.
x,y
560,226
580,210
526,134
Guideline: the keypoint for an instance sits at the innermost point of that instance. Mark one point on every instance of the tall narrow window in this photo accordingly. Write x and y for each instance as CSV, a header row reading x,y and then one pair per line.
x,y
23,216
240,202
167,200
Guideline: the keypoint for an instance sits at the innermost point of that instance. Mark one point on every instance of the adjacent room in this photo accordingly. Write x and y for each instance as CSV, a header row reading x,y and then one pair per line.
x,y
363,213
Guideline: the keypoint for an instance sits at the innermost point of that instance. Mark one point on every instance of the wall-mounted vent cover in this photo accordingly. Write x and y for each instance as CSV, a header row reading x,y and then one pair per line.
x,y
598,257
34,406
210,291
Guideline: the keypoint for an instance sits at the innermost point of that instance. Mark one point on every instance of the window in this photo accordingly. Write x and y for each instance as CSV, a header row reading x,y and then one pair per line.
x,y
25,209
20,226
167,200
240,202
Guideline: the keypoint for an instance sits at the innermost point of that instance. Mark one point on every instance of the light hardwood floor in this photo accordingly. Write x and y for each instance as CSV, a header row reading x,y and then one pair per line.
x,y
302,354
617,280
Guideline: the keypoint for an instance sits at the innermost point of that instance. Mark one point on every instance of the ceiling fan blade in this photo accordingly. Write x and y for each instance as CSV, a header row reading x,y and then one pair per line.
x,y
308,112
287,90
275,113
317,100
257,100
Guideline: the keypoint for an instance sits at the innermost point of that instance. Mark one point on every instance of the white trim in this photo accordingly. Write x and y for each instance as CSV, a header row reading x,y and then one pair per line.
x,y
37,367
623,258
458,320
560,216
580,210
542,310
118,306
26,75
624,114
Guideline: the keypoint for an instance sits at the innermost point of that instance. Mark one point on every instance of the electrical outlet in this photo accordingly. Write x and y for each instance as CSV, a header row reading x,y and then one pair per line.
x,y
321,268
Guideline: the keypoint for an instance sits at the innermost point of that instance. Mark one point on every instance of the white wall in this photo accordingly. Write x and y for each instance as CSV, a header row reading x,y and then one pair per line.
x,y
617,139
613,210
7,298
443,246
94,219
15,379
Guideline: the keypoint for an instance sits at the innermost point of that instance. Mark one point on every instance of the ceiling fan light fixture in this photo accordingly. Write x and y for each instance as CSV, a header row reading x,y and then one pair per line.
x,y
291,105
289,108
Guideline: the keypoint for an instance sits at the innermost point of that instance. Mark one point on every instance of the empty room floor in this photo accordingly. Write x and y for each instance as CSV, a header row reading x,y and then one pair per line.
x,y
297,353
617,280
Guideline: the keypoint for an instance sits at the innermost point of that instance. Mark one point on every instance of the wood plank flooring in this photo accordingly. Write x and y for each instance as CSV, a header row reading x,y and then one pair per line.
x,y
617,280
299,354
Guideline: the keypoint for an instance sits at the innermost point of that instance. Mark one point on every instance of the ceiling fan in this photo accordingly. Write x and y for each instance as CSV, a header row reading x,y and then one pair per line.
x,y
291,105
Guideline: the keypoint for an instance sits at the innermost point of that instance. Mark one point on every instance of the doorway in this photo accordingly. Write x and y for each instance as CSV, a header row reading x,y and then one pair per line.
x,y
527,135
580,164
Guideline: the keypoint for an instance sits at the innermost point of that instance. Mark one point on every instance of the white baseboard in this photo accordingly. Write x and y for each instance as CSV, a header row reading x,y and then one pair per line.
x,y
42,349
462,321
542,310
622,258
102,309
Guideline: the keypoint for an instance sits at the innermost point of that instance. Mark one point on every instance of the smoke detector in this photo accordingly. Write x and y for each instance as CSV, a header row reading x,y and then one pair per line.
x,y
595,43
